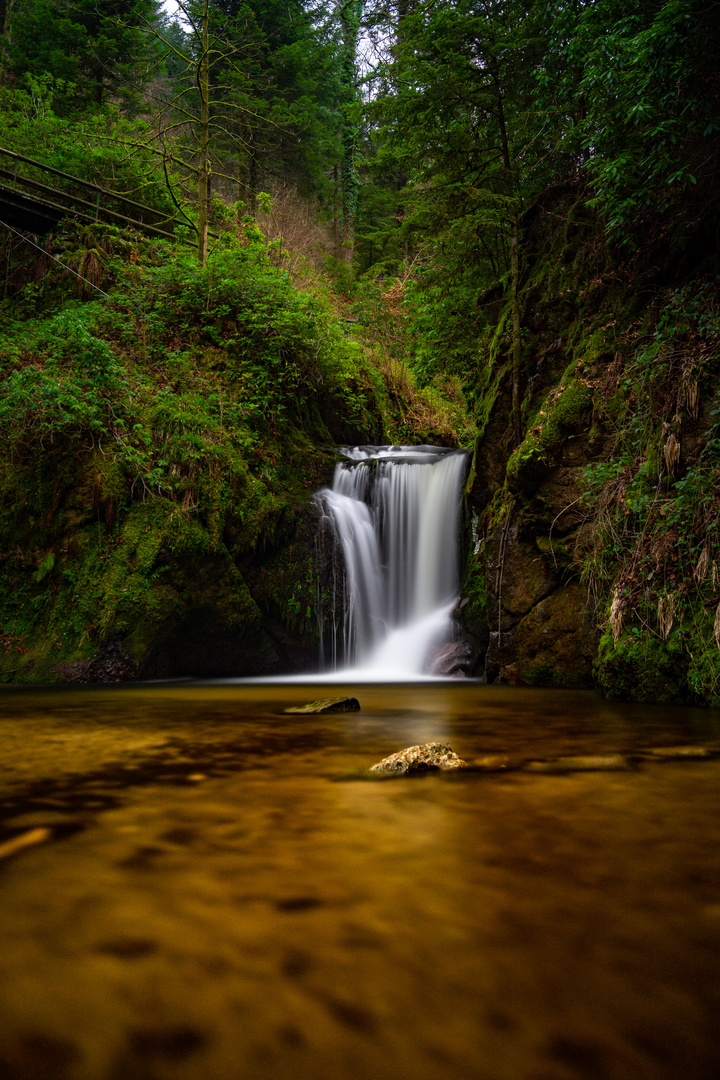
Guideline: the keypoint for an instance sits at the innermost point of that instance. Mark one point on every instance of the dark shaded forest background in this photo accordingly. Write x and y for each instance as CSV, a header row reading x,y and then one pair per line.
x,y
487,223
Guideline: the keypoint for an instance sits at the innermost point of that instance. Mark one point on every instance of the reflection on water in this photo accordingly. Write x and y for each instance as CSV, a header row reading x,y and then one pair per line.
x,y
223,898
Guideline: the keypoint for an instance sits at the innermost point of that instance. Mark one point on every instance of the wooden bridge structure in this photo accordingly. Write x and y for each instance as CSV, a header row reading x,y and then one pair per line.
x,y
29,204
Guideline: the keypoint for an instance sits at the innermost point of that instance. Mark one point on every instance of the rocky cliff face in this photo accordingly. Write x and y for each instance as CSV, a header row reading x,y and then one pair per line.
x,y
585,533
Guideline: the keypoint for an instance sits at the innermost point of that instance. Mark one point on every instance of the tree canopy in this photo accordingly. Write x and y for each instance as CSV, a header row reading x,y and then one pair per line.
x,y
423,129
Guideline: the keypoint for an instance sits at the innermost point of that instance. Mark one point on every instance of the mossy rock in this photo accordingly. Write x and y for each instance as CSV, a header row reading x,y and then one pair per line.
x,y
553,645
642,668
558,640
561,418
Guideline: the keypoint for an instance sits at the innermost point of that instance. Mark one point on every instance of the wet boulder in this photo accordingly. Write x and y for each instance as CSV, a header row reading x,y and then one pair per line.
x,y
457,658
429,757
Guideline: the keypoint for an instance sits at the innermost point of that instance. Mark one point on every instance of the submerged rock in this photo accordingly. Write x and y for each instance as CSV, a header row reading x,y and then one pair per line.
x,y
327,705
430,757
25,840
679,753
494,763
581,763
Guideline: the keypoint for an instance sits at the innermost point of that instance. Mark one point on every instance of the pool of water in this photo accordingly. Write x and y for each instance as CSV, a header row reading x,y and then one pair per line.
x,y
213,889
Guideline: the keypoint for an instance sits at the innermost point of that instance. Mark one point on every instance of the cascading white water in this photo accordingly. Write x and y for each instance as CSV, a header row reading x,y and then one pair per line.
x,y
394,514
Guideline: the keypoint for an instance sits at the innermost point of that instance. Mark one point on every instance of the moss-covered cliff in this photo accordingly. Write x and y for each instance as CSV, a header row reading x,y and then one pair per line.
x,y
161,439
597,548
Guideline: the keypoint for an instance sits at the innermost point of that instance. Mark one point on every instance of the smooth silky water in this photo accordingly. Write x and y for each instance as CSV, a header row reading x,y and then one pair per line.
x,y
392,517
219,894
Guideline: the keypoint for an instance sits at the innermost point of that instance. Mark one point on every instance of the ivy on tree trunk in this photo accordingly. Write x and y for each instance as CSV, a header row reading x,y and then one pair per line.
x,y
350,16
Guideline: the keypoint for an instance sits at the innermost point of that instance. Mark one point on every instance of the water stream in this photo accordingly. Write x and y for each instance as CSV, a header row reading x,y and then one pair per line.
x,y
219,894
393,514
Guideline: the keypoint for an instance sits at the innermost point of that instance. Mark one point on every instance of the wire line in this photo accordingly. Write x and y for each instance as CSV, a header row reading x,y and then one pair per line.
x,y
55,258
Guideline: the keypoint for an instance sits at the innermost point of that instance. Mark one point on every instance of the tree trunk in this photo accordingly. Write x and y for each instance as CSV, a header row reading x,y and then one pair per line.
x,y
516,340
204,155
252,183
514,223
7,10
247,170
350,16
336,222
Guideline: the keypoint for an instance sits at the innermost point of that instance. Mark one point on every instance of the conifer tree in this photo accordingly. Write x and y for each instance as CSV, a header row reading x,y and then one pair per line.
x,y
281,73
455,118
94,51
242,101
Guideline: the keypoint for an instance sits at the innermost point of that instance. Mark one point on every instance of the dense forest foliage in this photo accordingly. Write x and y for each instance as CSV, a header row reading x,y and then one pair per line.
x,y
442,220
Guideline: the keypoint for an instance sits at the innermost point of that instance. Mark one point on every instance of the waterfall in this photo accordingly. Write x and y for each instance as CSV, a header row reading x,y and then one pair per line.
x,y
389,536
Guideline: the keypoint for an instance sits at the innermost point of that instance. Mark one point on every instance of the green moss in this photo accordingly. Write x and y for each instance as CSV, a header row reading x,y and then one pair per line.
x,y
593,348
614,408
496,513
473,589
703,675
641,667
540,671
490,386
557,551
563,414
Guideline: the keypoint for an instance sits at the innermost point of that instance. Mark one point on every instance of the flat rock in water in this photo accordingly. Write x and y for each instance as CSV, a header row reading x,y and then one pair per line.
x,y
327,705
430,757
581,763
679,753
493,763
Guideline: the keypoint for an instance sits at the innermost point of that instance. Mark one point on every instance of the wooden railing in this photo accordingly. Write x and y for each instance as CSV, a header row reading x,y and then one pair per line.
x,y
84,200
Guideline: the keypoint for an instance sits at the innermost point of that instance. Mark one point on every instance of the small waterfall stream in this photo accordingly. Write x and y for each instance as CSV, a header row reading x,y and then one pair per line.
x,y
392,516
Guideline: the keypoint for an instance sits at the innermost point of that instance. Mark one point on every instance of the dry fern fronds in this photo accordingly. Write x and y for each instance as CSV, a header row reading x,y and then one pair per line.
x,y
692,398
666,614
616,617
671,452
701,569
689,390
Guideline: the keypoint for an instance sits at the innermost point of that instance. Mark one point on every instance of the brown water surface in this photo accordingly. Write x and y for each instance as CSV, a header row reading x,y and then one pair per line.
x,y
211,890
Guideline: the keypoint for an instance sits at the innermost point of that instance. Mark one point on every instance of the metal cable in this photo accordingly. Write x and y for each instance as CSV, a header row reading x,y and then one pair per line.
x,y
55,258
